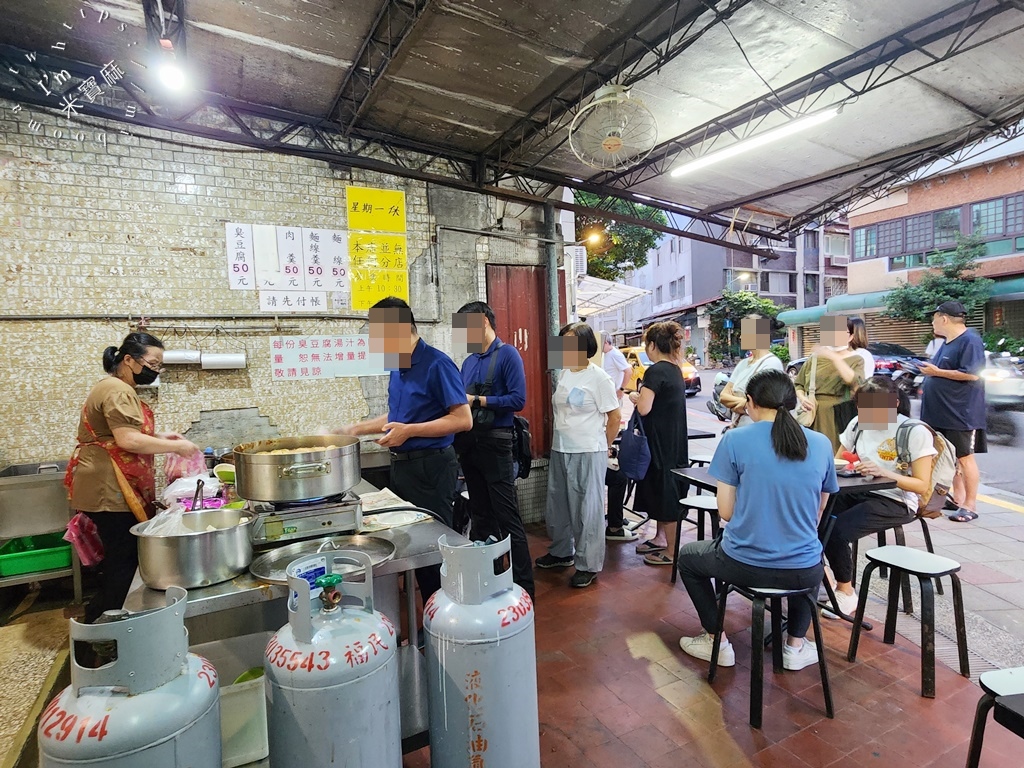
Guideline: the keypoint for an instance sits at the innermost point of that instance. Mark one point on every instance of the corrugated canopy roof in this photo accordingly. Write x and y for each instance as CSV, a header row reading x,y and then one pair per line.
x,y
492,84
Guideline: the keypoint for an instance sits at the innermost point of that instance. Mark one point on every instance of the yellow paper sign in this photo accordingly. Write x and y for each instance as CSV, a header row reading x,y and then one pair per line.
x,y
379,268
375,210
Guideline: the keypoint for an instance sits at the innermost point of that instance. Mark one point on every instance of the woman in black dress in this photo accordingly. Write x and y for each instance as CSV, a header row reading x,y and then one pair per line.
x,y
661,403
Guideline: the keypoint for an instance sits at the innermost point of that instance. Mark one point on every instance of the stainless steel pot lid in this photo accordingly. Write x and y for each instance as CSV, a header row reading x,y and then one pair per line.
x,y
270,567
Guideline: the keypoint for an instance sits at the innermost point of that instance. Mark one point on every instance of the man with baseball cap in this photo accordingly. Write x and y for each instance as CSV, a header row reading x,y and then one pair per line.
x,y
953,401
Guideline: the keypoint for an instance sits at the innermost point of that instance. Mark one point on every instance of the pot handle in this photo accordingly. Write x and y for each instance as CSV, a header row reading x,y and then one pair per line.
x,y
314,469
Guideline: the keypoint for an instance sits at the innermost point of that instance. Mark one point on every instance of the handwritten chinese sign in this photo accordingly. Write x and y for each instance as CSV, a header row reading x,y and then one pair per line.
x,y
379,266
296,358
375,210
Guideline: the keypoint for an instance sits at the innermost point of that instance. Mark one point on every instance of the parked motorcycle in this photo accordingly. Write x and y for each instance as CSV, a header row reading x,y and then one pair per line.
x,y
908,378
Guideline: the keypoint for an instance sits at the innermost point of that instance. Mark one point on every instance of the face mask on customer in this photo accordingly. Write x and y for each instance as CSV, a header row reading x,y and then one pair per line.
x,y
146,376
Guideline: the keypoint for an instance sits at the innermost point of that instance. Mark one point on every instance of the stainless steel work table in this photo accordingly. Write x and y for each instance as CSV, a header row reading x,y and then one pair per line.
x,y
245,606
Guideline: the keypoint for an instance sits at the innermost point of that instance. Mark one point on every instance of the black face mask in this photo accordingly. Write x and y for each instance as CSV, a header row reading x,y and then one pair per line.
x,y
146,376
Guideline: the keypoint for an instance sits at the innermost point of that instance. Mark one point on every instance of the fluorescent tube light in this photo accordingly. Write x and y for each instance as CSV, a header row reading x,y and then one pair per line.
x,y
758,141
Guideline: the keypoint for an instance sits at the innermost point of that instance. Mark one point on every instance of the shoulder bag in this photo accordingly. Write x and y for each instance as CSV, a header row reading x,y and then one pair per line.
x,y
634,452
803,414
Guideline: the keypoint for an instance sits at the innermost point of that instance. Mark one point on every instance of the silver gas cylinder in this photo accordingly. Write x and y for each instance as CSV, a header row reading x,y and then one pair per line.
x,y
332,672
481,663
156,705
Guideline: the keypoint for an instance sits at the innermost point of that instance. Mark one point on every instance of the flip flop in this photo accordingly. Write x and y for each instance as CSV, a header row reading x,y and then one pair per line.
x,y
657,558
647,547
963,516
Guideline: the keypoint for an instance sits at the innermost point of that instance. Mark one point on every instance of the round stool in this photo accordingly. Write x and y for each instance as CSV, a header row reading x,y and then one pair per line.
x,y
999,682
760,596
702,505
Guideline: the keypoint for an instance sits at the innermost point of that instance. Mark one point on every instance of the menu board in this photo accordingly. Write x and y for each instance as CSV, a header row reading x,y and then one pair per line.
x,y
294,358
303,269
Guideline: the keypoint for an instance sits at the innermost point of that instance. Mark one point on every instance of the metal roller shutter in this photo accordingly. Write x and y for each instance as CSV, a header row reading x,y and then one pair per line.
x,y
881,329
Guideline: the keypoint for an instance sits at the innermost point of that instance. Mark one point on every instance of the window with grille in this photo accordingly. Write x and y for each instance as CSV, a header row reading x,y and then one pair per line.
x,y
811,241
946,225
1015,214
919,233
987,218
865,243
890,237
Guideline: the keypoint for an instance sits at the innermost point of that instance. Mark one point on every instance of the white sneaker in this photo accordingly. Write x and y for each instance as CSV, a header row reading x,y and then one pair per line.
x,y
700,648
847,604
798,658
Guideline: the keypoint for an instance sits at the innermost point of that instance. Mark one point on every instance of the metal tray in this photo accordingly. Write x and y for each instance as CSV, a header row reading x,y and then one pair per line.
x,y
270,567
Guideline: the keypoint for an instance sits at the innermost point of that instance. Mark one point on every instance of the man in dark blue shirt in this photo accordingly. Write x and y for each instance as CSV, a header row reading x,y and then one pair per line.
x,y
426,408
495,384
953,400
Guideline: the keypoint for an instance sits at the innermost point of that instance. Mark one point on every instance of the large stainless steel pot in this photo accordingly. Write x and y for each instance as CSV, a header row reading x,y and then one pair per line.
x,y
319,471
199,558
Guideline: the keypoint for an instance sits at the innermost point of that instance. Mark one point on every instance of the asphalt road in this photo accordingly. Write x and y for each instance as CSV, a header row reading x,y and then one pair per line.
x,y
1001,467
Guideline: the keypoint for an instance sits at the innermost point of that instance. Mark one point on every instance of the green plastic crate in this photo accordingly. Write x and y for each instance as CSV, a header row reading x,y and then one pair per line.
x,y
32,554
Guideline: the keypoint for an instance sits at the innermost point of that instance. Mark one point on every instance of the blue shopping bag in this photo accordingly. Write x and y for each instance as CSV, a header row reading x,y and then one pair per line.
x,y
634,452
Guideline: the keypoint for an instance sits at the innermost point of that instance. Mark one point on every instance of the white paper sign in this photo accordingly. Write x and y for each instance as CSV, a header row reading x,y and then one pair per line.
x,y
294,358
241,259
285,302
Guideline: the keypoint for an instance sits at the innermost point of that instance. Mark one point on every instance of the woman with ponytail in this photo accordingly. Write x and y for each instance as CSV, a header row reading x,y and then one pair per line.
x,y
110,477
774,479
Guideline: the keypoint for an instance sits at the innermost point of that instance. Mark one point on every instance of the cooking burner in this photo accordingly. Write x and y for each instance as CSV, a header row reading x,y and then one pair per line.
x,y
287,521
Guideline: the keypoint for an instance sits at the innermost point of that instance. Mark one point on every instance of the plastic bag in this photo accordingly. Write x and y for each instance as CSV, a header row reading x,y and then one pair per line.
x,y
176,466
185,488
85,539
170,522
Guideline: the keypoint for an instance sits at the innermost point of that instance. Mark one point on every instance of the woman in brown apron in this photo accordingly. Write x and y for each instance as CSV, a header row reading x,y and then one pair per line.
x,y
110,476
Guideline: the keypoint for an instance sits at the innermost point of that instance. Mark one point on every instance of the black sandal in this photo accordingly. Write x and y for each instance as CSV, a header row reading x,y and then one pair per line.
x,y
963,516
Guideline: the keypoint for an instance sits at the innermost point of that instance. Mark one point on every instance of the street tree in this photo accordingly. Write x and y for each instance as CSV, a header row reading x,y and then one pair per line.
x,y
618,243
734,306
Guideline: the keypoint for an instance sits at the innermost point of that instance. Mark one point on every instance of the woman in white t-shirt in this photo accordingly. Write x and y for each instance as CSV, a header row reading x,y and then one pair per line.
x,y
859,344
871,435
755,335
587,419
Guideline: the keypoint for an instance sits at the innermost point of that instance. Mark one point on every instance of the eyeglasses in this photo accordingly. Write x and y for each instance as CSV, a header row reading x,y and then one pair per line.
x,y
152,365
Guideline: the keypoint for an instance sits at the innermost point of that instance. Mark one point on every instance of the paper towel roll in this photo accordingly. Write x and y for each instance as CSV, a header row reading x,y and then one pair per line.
x,y
222,361
182,357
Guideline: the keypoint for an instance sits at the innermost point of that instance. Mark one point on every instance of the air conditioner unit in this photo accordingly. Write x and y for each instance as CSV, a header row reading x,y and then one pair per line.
x,y
839,261
751,287
578,254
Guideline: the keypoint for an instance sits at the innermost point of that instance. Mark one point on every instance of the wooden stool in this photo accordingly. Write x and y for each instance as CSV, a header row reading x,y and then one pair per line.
x,y
904,562
995,684
901,540
701,504
759,597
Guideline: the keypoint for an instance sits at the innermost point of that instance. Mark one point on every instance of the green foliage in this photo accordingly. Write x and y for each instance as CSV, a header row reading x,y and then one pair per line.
x,y
998,340
621,243
951,278
781,351
734,305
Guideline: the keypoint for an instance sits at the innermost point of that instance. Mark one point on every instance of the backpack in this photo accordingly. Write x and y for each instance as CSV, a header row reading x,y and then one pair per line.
x,y
944,466
522,446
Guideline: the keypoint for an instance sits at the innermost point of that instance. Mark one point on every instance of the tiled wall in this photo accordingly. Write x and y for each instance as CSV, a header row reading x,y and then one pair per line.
x,y
92,234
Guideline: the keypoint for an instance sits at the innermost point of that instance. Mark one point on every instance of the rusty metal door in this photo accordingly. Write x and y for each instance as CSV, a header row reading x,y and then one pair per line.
x,y
519,297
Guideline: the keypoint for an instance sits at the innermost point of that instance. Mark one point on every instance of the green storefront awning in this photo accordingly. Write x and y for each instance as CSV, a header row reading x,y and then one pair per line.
x,y
1006,287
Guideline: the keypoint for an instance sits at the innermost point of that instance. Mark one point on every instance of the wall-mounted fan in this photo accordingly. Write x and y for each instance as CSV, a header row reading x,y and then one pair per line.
x,y
613,131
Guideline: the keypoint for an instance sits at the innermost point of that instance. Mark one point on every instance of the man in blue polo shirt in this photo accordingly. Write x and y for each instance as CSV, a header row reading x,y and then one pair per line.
x,y
495,385
426,407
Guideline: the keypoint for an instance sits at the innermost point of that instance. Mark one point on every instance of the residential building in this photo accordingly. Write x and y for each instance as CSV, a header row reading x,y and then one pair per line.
x,y
894,236
684,275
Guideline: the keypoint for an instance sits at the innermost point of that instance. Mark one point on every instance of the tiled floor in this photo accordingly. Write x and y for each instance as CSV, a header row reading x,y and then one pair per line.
x,y
616,691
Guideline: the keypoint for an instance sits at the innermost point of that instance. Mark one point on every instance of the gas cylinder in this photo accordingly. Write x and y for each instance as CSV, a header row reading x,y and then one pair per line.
x,y
481,663
332,671
156,705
